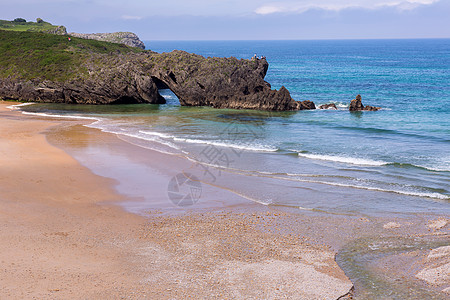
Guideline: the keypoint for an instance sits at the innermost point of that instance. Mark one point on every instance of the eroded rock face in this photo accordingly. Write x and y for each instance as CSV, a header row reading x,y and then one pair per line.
x,y
135,78
307,104
356,105
126,38
60,30
219,82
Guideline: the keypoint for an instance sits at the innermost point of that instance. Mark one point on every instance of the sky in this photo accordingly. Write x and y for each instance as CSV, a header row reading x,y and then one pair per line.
x,y
243,19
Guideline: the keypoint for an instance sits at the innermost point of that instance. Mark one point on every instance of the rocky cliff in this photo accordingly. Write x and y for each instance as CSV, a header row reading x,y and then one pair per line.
x,y
126,38
100,73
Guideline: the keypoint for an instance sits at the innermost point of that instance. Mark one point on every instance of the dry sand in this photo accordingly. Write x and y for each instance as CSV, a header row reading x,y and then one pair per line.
x,y
60,241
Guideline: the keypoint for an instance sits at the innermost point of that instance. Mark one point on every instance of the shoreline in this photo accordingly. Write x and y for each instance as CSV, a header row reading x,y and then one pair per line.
x,y
248,243
64,245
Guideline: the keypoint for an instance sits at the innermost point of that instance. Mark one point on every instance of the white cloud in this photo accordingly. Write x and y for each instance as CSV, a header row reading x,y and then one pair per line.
x,y
300,6
265,10
126,17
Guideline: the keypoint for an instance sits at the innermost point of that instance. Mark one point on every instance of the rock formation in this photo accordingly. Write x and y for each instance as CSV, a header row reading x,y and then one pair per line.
x,y
60,30
79,71
136,78
126,38
371,108
306,105
328,106
356,105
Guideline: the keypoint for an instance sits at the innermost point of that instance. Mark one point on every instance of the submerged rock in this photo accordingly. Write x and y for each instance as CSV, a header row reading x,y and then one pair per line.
x,y
328,106
356,105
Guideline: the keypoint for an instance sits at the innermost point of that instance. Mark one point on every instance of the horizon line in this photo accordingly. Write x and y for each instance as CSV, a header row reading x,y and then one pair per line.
x,y
292,40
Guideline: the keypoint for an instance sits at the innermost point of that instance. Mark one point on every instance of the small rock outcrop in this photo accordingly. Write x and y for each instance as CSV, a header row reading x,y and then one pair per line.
x,y
306,105
356,105
371,108
126,38
328,106
60,30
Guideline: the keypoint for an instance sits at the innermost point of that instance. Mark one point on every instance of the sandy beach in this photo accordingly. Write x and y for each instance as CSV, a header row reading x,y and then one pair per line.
x,y
66,235
59,243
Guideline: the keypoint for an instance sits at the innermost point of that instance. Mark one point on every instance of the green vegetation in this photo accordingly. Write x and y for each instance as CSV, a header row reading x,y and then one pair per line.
x,y
29,55
40,25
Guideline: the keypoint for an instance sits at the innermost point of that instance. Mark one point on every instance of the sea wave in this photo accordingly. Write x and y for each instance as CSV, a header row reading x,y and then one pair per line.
x,y
433,195
120,131
390,132
441,168
158,134
98,124
316,179
17,106
61,116
344,159
246,147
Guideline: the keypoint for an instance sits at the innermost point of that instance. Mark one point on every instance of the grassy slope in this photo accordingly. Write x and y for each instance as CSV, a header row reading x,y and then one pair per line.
x,y
26,26
29,55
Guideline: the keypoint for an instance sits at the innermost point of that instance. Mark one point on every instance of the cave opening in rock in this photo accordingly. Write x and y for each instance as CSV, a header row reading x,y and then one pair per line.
x,y
166,92
161,85
125,100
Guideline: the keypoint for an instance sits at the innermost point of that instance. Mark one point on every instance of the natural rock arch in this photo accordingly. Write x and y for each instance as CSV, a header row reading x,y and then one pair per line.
x,y
137,78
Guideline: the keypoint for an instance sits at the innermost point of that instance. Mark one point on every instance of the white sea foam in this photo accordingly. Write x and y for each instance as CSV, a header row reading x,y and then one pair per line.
x,y
60,116
344,159
121,136
305,208
107,129
444,167
159,134
17,106
120,131
341,105
402,192
246,147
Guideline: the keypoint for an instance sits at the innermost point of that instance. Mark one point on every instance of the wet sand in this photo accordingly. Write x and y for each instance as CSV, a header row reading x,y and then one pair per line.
x,y
61,240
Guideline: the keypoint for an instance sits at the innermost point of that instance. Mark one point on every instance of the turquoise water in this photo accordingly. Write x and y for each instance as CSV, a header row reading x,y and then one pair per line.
x,y
396,160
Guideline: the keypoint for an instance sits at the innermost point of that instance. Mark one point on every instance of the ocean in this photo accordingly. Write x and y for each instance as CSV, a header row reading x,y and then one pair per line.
x,y
393,161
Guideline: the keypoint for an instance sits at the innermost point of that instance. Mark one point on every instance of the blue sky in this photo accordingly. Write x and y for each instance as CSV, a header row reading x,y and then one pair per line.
x,y
243,20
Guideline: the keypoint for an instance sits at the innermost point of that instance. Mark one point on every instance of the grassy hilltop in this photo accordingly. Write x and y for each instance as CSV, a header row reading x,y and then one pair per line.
x,y
29,55
40,25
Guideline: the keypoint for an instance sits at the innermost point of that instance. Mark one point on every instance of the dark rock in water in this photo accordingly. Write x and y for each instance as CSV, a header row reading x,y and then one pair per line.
x,y
328,106
371,108
306,105
135,77
356,104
